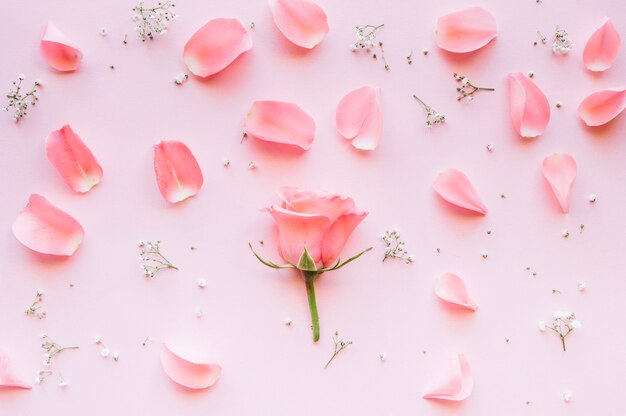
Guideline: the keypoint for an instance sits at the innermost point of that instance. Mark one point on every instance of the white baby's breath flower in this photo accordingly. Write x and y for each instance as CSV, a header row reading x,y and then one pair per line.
x,y
542,326
576,324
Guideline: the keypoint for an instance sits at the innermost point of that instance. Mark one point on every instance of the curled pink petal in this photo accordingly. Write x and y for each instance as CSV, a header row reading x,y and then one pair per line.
x,y
338,235
44,228
191,373
215,46
457,383
280,122
559,170
602,106
177,171
453,186
58,50
359,118
9,377
303,22
466,30
602,47
72,159
451,288
530,109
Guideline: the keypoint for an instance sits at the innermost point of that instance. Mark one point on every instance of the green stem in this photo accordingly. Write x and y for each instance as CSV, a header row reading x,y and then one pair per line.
x,y
309,279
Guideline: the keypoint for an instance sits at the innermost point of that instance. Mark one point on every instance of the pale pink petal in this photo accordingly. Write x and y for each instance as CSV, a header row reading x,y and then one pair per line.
x,y
215,46
188,372
280,122
359,118
331,205
9,377
602,106
72,159
453,186
58,50
559,170
457,383
338,234
177,171
303,22
44,228
530,109
451,288
466,30
602,47
295,230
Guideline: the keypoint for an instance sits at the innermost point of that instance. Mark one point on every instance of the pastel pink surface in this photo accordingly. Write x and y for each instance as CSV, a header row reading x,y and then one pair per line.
x,y
9,377
58,50
466,30
530,109
73,159
44,228
359,118
602,106
189,372
560,171
280,122
602,48
177,172
456,188
303,22
451,288
456,385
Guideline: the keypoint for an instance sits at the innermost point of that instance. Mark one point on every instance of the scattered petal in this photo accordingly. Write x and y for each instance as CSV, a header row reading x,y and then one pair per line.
x,y
215,46
191,373
452,289
8,375
359,118
72,159
303,22
58,50
559,170
466,30
280,122
602,47
453,186
457,384
44,228
602,106
530,109
177,171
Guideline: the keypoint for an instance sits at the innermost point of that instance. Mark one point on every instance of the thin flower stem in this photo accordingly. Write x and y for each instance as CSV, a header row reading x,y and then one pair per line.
x,y
420,101
340,345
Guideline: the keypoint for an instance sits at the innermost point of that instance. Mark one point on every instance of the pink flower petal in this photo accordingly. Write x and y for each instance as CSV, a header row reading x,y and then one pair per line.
x,y
457,384
331,205
602,106
453,186
559,170
359,118
466,30
602,47
177,171
215,46
191,373
44,228
338,235
301,21
58,50
452,289
530,109
72,159
9,376
280,122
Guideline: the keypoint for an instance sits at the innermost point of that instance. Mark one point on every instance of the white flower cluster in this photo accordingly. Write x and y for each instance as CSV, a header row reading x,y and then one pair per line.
x,y
561,45
19,101
153,21
51,349
152,261
563,324
395,248
366,40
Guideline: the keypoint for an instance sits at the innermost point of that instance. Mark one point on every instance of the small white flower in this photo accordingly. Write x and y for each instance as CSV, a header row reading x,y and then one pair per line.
x,y
484,254
226,162
37,380
567,396
103,31
382,356
21,77
116,356
202,283
565,233
63,384
97,339
582,286
104,352
592,198
542,326
576,324
558,315
287,321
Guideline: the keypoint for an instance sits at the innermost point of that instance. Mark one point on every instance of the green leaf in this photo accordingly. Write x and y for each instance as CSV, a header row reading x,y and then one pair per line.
x,y
306,262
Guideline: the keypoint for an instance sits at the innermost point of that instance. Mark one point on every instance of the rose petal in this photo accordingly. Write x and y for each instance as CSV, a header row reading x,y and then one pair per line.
x,y
187,372
336,237
452,289
331,205
602,47
72,159
359,118
58,50
215,46
602,106
44,228
559,170
453,186
530,109
177,171
466,30
280,122
9,377
301,21
457,384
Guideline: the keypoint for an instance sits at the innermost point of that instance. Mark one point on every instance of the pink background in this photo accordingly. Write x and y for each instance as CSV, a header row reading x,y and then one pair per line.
x,y
269,368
